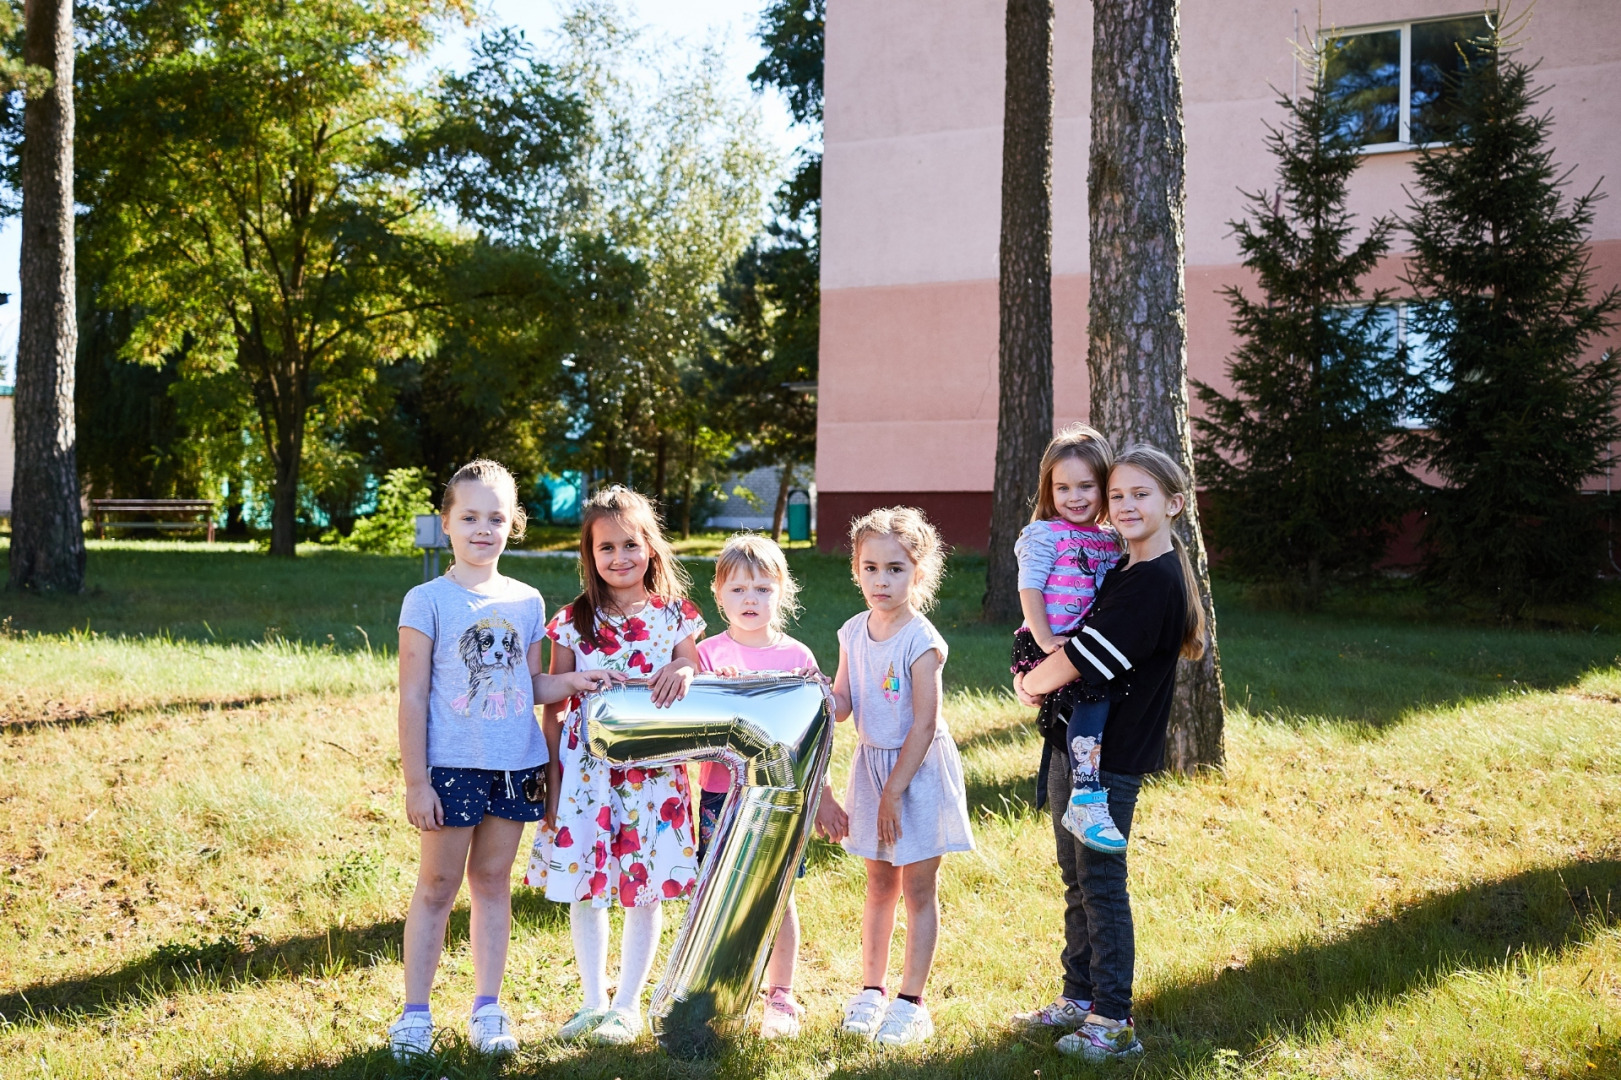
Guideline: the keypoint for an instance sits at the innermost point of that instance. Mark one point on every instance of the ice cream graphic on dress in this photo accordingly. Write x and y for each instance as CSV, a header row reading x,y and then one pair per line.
x,y
892,685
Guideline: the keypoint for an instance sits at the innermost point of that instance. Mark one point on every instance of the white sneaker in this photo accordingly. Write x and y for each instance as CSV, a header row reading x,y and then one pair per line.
x,y
582,1024
1089,819
490,1031
621,1028
904,1024
782,1015
863,1013
1064,1013
410,1035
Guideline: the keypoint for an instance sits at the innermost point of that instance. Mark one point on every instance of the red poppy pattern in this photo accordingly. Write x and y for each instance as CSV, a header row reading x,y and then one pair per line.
x,y
624,835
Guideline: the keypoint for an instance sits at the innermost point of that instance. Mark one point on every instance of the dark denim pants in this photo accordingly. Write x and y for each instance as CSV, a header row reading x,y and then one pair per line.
x,y
1100,944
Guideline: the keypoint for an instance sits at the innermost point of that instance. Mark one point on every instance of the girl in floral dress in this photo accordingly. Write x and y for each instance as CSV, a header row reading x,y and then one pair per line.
x,y
618,835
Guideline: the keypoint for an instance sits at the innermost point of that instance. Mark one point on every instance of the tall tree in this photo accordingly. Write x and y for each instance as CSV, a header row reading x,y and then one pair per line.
x,y
1024,415
1517,411
794,34
676,172
274,189
1297,458
1137,335
764,354
47,537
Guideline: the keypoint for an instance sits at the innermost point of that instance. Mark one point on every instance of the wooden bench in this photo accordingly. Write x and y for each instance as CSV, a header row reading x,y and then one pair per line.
x,y
200,512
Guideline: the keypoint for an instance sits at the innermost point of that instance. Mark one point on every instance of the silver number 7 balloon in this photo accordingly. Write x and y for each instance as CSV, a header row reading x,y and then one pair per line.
x,y
775,733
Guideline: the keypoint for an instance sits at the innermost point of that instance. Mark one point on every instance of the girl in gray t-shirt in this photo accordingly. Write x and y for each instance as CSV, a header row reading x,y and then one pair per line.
x,y
474,757
906,799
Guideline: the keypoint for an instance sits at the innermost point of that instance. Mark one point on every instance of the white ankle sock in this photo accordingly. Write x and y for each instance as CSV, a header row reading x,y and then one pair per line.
x,y
589,927
641,944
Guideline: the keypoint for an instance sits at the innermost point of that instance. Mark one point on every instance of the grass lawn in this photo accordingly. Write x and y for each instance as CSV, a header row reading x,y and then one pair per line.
x,y
1411,867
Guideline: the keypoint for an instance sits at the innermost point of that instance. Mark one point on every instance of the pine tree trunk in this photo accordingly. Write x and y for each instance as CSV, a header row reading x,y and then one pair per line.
x,y
1024,420
47,535
1137,348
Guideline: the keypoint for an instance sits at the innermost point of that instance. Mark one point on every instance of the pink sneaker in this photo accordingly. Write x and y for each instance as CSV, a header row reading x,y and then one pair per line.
x,y
782,1015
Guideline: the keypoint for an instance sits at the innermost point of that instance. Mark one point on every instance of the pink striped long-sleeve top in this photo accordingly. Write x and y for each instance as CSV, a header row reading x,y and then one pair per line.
x,y
1067,563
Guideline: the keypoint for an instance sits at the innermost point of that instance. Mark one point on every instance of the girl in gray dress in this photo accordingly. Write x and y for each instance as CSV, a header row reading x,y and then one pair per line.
x,y
906,799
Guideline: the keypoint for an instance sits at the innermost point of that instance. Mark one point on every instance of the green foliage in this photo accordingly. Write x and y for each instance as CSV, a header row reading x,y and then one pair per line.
x,y
766,328
1518,407
132,440
675,171
1296,459
269,191
765,351
391,528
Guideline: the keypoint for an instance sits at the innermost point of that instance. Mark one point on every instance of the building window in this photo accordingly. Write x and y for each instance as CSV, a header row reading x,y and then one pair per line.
x,y
1393,78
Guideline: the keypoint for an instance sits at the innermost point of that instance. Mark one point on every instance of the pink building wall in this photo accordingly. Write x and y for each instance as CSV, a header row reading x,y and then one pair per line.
x,y
911,211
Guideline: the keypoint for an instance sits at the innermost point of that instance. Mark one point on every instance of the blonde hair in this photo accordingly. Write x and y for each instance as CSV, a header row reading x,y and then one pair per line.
x,y
495,474
756,554
665,578
914,533
1172,479
1087,445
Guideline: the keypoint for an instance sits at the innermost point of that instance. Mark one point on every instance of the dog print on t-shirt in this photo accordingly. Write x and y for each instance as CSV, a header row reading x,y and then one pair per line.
x,y
491,650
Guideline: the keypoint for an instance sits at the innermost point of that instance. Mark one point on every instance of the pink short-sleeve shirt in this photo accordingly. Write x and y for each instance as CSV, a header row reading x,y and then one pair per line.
x,y
719,652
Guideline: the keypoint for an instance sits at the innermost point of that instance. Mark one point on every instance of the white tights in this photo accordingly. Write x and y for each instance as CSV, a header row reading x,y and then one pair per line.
x,y
589,927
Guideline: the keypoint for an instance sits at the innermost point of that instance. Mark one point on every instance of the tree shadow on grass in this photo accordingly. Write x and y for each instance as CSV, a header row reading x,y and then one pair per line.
x,y
1281,993
66,714
1294,669
162,972
1480,926
89,996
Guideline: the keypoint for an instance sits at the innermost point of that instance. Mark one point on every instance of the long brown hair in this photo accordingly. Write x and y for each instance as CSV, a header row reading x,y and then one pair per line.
x,y
1173,480
665,578
1084,443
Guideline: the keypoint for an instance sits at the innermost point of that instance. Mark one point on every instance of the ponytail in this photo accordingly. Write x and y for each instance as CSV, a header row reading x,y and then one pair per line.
x,y
1193,634
1173,480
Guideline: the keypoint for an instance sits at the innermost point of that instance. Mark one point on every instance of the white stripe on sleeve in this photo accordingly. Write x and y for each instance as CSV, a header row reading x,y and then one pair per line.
x,y
1094,661
1107,644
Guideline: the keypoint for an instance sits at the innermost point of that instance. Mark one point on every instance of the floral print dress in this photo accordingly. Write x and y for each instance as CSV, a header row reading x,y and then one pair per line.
x,y
623,834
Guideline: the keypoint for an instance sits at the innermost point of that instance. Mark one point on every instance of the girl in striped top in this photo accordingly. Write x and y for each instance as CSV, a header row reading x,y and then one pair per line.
x,y
1063,554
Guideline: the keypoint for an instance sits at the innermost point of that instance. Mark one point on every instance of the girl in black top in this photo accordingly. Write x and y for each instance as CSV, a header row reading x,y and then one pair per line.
x,y
1147,615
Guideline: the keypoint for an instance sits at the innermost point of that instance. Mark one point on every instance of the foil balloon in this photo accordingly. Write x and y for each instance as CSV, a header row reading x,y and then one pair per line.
x,y
775,734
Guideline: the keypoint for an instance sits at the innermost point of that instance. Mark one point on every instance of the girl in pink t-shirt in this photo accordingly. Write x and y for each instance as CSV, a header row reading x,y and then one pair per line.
x,y
756,593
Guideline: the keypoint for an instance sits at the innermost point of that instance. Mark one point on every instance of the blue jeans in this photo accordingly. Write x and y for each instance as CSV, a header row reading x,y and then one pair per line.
x,y
1100,942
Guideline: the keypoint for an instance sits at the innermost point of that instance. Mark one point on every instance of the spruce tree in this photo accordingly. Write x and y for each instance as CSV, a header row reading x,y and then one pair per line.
x,y
1296,460
1518,405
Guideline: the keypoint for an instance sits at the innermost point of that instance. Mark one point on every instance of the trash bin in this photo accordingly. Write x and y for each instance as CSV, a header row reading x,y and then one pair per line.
x,y
799,515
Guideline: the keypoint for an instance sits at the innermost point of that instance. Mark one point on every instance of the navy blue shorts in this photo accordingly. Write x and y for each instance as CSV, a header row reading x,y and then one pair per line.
x,y
710,804
468,794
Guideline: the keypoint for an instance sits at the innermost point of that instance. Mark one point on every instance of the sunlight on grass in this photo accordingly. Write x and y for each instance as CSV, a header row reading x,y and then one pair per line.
x,y
1411,905
1409,869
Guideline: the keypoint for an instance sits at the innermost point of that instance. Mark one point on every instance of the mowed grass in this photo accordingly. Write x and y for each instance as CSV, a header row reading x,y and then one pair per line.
x,y
1410,868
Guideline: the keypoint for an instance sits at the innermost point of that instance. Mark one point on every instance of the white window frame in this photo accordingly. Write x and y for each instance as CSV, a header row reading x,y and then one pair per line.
x,y
1404,98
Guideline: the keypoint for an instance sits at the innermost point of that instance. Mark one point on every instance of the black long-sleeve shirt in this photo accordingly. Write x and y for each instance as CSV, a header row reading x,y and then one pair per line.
x,y
1128,646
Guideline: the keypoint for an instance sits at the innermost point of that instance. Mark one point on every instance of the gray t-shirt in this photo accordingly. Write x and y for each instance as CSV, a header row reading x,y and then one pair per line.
x,y
881,677
481,706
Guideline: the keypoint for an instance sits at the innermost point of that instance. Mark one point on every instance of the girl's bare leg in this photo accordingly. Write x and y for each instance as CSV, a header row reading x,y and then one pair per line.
x,y
779,970
439,879
878,920
489,880
920,884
